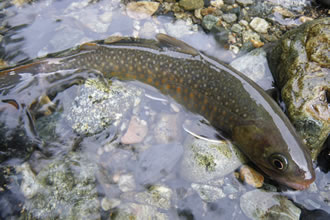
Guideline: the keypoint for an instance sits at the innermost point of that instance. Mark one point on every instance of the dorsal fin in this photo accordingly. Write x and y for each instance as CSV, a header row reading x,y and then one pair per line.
x,y
178,44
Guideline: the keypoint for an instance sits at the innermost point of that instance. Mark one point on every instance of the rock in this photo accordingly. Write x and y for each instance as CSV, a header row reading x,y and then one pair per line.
x,y
249,35
136,131
100,105
283,11
255,66
179,28
259,25
142,9
60,185
300,64
245,3
259,204
126,183
29,185
251,176
137,212
203,160
208,193
216,3
229,18
237,28
191,4
107,204
148,30
209,21
157,195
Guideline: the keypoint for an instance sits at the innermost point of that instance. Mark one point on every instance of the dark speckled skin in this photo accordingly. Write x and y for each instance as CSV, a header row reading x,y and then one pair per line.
x,y
230,101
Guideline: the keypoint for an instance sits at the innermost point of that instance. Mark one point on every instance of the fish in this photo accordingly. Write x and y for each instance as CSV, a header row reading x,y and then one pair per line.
x,y
231,102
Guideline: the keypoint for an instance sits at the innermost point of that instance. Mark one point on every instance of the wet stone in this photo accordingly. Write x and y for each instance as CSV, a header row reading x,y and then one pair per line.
x,y
209,21
59,186
259,204
137,212
208,193
142,9
251,176
254,65
245,3
136,131
107,204
157,195
237,28
100,105
167,128
259,25
203,160
300,64
191,4
229,18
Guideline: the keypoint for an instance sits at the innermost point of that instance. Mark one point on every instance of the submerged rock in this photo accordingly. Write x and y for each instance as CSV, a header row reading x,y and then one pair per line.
x,y
191,4
65,189
259,204
205,160
300,64
101,104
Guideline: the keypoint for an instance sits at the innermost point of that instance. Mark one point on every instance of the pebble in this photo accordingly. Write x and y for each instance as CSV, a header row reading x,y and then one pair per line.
x,y
217,3
237,28
136,131
209,21
245,3
141,10
251,176
107,204
208,193
260,25
259,204
229,18
191,4
157,195
126,183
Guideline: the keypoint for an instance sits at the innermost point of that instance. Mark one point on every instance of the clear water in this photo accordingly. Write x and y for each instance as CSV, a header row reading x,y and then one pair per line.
x,y
121,171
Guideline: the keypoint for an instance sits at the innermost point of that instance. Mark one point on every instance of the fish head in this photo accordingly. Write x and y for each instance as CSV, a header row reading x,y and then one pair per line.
x,y
280,154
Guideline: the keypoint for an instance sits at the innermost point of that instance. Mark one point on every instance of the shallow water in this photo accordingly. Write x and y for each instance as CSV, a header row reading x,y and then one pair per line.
x,y
129,174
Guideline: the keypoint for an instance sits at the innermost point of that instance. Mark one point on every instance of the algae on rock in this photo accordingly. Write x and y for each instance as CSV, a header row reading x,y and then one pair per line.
x,y
300,64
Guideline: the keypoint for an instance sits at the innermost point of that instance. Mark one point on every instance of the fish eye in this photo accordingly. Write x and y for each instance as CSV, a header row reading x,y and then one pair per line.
x,y
279,161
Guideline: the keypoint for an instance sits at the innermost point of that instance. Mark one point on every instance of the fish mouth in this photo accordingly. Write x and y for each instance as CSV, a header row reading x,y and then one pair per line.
x,y
298,185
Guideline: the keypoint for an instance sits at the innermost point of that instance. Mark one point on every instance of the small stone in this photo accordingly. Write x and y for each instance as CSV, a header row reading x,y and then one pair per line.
x,y
209,21
141,10
250,35
259,25
304,19
251,176
167,128
234,49
245,3
191,4
283,11
208,193
126,183
259,204
159,196
257,43
244,23
237,28
136,131
229,2
229,18
216,3
108,204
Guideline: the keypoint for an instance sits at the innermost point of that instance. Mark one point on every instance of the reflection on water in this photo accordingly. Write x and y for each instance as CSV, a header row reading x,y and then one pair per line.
x,y
89,147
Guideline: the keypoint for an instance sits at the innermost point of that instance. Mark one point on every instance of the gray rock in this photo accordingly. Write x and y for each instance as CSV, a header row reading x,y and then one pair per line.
x,y
167,128
229,2
259,204
255,66
66,190
229,18
245,3
208,193
157,195
138,212
209,21
237,28
100,105
204,160
260,25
